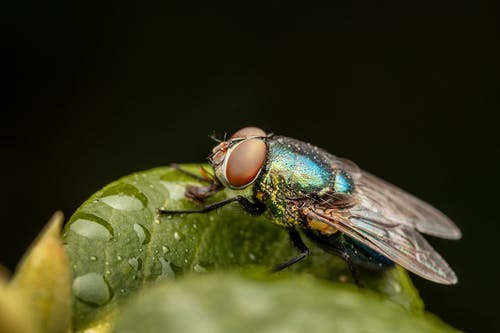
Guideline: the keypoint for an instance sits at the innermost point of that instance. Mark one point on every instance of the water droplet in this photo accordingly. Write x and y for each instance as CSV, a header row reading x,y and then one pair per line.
x,y
199,268
211,218
252,256
195,226
124,196
93,258
122,202
136,263
165,249
91,226
92,288
175,191
178,236
119,258
166,270
185,261
142,233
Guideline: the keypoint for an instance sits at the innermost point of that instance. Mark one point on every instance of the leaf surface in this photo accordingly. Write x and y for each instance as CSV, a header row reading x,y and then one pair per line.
x,y
117,244
245,303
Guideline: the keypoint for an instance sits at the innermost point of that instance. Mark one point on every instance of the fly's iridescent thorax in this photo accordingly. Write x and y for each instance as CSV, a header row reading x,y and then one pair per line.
x,y
294,173
302,168
299,165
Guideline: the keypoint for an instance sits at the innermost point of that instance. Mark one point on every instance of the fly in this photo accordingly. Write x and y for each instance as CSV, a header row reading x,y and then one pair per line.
x,y
345,210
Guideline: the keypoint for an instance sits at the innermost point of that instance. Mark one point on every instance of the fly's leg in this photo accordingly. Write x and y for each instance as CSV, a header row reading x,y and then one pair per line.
x,y
199,193
254,208
354,269
335,244
299,245
343,252
190,174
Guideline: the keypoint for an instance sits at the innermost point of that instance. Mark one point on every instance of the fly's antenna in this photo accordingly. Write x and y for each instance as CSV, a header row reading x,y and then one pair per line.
x,y
214,137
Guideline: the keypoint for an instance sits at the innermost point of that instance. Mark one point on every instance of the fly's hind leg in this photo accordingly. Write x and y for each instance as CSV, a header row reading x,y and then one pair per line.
x,y
299,245
353,268
335,244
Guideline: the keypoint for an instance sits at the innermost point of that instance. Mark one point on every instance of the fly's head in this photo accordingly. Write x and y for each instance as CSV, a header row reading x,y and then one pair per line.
x,y
238,161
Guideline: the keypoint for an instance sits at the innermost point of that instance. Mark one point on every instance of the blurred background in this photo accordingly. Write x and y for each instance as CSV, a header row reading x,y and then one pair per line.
x,y
95,92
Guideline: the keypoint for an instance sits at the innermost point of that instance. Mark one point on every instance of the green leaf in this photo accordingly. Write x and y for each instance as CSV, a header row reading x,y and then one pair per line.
x,y
38,298
117,244
243,303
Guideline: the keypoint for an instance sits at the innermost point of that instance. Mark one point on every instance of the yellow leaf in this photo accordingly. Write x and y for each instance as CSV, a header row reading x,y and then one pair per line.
x,y
39,295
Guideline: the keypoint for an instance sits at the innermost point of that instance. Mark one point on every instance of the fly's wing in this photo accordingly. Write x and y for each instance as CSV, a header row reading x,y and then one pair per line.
x,y
388,220
379,201
400,243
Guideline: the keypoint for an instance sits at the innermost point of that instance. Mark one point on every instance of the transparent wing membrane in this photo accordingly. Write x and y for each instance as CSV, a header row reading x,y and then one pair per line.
x,y
389,220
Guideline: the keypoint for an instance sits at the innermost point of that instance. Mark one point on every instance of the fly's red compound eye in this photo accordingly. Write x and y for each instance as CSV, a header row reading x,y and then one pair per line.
x,y
248,131
245,161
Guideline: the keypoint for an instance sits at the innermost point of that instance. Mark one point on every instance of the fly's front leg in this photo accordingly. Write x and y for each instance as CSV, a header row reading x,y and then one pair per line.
x,y
254,208
203,178
199,193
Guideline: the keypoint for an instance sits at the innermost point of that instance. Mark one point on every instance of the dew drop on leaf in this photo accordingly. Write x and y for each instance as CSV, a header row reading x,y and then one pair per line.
x,y
166,270
92,288
175,191
122,202
135,263
199,268
178,236
142,233
93,227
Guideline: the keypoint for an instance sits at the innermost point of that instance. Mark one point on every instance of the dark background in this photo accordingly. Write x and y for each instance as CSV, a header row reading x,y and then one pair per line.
x,y
99,91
